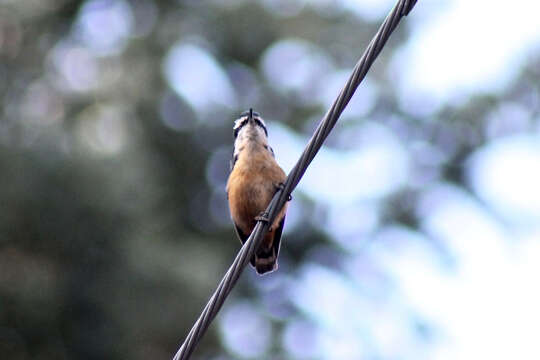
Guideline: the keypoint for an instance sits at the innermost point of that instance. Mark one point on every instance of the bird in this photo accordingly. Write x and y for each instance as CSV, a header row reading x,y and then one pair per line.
x,y
254,179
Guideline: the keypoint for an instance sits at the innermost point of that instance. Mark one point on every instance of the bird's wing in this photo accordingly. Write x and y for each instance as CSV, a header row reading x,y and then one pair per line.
x,y
277,236
243,238
234,158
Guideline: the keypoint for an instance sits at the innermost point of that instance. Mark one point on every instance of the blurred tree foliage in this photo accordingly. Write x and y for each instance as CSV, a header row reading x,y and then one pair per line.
x,y
108,248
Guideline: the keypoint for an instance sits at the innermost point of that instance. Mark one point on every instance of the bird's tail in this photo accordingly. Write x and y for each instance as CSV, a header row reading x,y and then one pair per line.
x,y
266,260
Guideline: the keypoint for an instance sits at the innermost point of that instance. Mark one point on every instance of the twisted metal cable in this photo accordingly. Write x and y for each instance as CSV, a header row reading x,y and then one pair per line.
x,y
402,8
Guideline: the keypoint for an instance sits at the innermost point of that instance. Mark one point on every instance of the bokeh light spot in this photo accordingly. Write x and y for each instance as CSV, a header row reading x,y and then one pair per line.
x,y
104,25
196,76
245,332
294,65
506,174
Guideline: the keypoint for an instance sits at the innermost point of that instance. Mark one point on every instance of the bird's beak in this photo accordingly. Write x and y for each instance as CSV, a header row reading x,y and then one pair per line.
x,y
250,116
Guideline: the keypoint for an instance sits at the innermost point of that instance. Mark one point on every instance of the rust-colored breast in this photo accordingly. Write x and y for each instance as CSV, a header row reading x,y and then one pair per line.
x,y
251,185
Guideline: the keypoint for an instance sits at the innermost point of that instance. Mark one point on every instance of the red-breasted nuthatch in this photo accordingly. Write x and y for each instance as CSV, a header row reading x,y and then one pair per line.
x,y
255,177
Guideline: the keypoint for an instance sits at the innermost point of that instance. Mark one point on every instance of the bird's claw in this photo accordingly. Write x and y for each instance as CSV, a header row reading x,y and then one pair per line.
x,y
262,217
281,186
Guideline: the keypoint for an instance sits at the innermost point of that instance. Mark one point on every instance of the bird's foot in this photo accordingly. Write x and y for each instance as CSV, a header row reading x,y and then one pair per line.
x,y
281,186
263,216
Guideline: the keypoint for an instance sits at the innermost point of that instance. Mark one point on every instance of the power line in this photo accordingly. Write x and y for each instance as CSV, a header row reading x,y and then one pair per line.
x,y
402,8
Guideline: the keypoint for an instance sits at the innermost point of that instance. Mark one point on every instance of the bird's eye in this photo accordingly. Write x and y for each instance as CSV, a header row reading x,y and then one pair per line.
x,y
259,123
238,127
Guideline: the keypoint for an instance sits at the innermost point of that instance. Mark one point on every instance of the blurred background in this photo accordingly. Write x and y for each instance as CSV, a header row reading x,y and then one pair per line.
x,y
415,233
